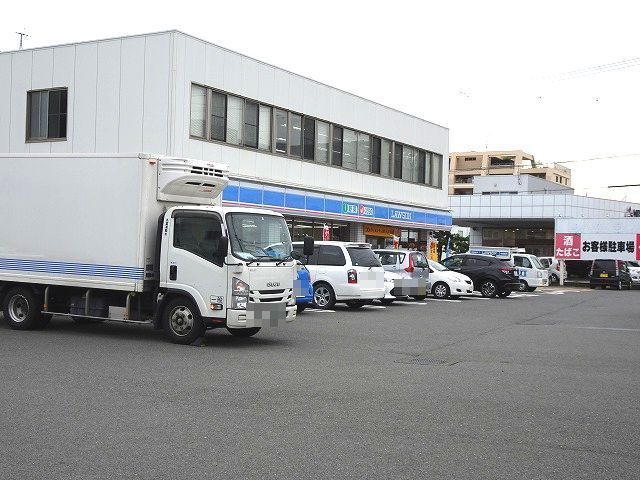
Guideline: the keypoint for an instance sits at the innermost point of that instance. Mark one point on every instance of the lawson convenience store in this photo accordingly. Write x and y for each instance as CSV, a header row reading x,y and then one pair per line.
x,y
333,217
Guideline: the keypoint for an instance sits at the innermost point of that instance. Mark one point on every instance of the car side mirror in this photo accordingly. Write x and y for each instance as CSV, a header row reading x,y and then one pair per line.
x,y
308,247
223,247
296,255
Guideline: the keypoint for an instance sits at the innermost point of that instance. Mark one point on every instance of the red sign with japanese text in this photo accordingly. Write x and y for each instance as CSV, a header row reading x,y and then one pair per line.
x,y
637,246
567,246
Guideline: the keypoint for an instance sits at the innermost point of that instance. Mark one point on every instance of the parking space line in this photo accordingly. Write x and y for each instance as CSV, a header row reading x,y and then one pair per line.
x,y
446,300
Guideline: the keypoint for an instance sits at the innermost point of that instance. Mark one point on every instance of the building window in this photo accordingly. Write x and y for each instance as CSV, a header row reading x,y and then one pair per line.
x,y
322,142
397,161
281,131
218,116
470,159
421,160
427,167
264,128
198,122
309,137
375,154
251,112
436,170
234,120
295,138
336,154
349,149
363,163
408,168
386,160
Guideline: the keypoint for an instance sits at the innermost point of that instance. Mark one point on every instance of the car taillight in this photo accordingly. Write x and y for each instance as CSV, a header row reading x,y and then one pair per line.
x,y
618,268
508,271
352,276
410,267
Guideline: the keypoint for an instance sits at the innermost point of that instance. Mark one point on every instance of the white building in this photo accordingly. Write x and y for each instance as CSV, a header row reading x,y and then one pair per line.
x,y
320,155
521,211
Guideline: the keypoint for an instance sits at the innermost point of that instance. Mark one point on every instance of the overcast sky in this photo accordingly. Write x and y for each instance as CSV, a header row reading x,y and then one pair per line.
x,y
557,79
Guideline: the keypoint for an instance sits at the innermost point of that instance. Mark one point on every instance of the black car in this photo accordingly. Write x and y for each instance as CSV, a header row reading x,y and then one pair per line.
x,y
490,275
609,273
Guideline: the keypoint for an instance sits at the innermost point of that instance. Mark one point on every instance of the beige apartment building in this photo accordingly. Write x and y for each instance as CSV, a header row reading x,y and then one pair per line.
x,y
463,166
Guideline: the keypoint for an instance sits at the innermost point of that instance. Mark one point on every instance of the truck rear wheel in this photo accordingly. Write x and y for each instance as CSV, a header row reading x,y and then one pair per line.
x,y
22,310
181,321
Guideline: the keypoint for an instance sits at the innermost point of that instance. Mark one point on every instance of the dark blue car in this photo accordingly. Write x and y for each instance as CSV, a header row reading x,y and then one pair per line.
x,y
303,288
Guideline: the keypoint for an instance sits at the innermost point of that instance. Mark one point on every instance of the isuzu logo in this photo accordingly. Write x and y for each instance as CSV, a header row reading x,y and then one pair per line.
x,y
273,284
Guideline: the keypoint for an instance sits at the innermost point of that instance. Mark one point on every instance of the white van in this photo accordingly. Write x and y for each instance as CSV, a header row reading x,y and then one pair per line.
x,y
531,272
343,272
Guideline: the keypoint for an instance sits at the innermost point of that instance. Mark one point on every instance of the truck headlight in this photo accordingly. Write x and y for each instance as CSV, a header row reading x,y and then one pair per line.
x,y
239,294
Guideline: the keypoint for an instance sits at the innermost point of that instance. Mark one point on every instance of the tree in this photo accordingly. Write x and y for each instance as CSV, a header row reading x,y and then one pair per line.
x,y
459,242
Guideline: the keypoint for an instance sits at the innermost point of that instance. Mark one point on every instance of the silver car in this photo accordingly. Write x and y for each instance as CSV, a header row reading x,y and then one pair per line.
x,y
409,264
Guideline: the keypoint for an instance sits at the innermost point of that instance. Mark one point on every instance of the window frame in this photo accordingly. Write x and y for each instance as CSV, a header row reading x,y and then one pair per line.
x,y
27,139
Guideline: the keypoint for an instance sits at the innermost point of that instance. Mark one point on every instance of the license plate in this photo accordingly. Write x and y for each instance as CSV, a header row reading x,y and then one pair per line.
x,y
604,275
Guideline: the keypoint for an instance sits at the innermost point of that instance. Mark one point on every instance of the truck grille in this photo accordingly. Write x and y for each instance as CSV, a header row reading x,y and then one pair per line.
x,y
262,296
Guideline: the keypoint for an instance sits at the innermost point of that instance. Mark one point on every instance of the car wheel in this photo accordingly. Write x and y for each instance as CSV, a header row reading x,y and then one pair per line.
x,y
619,286
531,289
355,304
523,286
592,287
488,288
554,279
243,332
419,297
386,301
504,294
440,290
301,307
181,321
323,296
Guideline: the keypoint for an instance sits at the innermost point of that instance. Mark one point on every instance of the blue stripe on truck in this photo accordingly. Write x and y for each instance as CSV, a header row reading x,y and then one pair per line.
x,y
64,268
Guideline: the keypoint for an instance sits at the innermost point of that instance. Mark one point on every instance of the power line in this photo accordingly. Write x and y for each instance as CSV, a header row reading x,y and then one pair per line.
x,y
596,69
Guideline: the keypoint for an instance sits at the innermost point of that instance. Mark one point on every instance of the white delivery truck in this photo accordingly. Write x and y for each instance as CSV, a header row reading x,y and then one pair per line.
x,y
138,238
528,269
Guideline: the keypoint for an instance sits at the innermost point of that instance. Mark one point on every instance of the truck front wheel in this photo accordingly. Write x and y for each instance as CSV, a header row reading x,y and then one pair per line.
x,y
181,321
21,309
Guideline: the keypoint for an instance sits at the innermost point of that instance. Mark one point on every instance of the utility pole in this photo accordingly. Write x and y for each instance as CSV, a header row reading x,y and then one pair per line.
x,y
22,35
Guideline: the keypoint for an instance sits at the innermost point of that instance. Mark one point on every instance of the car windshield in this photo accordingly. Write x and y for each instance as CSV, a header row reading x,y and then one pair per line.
x,y
255,236
536,262
363,257
437,266
390,258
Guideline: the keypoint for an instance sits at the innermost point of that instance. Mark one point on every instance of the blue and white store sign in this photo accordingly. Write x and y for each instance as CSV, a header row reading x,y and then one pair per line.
x,y
313,204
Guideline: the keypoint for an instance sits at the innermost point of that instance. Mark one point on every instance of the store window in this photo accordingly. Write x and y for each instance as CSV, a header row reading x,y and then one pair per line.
x,y
251,124
295,138
309,137
336,154
281,131
322,142
234,120
196,127
264,128
218,116
349,149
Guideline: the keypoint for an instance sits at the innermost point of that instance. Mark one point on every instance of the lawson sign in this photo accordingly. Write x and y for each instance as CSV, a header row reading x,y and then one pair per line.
x,y
311,203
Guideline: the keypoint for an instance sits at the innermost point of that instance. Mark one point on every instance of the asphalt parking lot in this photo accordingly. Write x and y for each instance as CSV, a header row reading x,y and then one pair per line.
x,y
536,386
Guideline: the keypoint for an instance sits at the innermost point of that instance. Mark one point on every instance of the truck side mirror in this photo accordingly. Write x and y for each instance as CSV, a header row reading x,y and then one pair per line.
x,y
296,255
308,246
223,247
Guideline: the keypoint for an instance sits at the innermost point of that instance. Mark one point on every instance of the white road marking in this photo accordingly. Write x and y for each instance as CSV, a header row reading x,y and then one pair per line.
x,y
319,310
370,307
604,328
476,297
446,300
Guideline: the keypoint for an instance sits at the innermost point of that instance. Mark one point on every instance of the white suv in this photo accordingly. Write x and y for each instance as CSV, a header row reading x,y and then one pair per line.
x,y
343,272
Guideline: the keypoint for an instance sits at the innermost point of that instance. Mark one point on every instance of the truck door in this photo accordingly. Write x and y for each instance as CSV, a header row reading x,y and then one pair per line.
x,y
194,262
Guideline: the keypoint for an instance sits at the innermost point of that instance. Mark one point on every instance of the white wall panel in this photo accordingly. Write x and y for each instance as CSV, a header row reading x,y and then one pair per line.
x,y
41,77
64,66
108,96
266,83
157,67
84,111
190,67
281,90
131,94
214,60
5,102
296,93
20,84
232,69
250,78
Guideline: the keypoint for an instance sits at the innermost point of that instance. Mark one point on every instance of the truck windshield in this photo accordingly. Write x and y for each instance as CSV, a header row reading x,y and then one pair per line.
x,y
255,236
